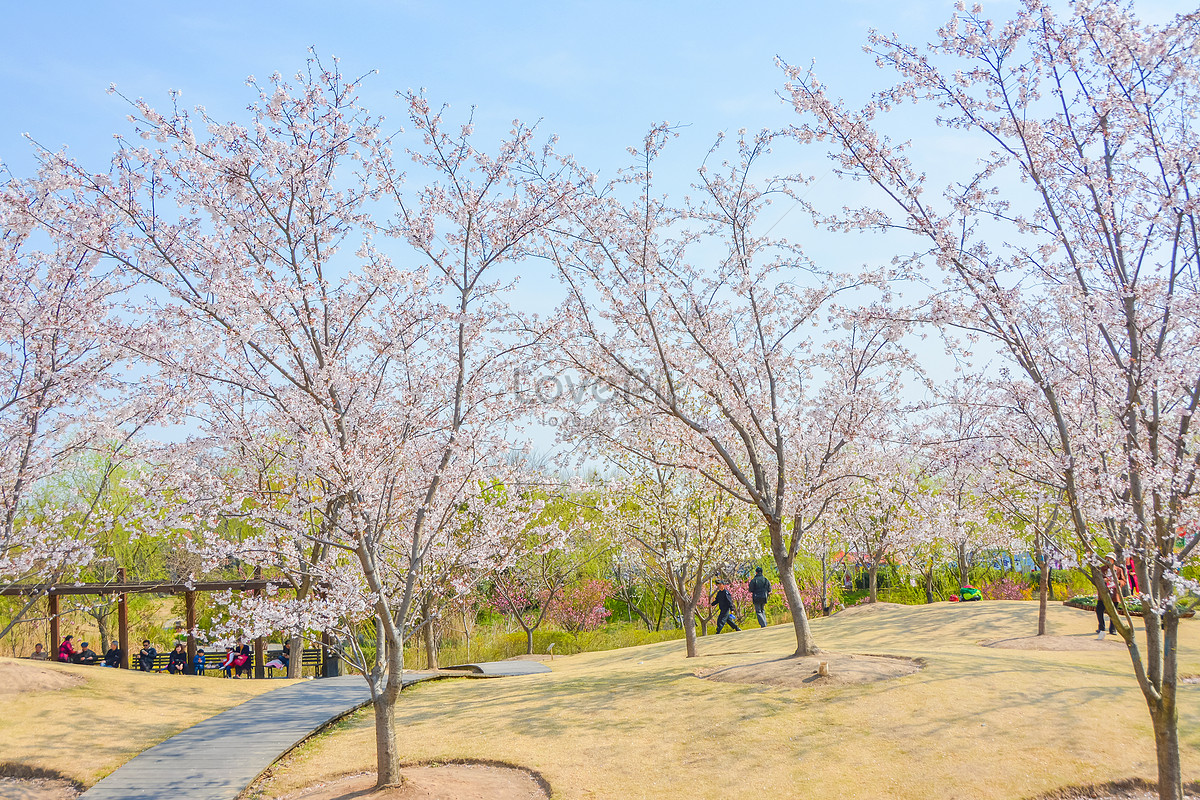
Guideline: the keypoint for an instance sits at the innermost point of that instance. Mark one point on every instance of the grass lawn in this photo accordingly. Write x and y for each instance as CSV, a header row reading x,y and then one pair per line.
x,y
85,732
975,722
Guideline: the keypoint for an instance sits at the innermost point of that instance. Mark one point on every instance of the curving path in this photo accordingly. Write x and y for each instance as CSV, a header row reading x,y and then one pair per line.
x,y
216,759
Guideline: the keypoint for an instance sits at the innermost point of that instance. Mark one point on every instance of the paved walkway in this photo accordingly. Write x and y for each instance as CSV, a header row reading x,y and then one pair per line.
x,y
218,758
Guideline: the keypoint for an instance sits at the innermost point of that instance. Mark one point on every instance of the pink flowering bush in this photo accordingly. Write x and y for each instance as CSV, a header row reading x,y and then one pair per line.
x,y
1005,589
581,606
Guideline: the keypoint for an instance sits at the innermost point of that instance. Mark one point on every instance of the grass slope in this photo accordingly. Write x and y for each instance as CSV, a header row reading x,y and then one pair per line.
x,y
975,722
85,732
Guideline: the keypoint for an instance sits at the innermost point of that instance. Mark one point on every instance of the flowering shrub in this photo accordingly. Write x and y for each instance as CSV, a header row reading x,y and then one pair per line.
x,y
1005,589
581,606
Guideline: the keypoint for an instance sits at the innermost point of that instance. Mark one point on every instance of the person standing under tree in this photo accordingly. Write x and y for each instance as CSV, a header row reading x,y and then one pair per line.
x,y
760,590
1112,580
724,604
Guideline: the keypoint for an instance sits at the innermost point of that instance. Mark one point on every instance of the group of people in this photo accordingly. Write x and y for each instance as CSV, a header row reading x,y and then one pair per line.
x,y
84,655
760,591
236,664
1120,581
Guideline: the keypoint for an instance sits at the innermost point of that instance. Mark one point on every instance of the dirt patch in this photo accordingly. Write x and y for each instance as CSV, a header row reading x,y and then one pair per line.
x,y
435,782
16,678
800,673
1058,643
867,608
37,789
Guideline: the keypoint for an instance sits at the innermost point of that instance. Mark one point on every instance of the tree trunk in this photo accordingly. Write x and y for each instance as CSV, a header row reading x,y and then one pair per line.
x,y
102,625
824,585
1043,595
689,628
703,626
805,645
1166,743
661,608
964,569
928,586
431,654
529,641
387,757
873,585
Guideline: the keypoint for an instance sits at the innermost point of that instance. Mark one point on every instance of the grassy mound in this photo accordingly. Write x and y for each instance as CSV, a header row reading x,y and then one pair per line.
x,y
84,722
987,723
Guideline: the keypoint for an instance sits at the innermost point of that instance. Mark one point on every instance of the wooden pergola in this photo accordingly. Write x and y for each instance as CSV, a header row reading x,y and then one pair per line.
x,y
123,589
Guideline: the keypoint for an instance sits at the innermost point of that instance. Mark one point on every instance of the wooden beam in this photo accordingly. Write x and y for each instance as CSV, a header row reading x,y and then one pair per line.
x,y
148,587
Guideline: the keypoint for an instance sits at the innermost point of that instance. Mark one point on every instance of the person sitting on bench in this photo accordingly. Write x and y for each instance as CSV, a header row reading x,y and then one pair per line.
x,y
282,660
177,661
112,656
227,665
87,656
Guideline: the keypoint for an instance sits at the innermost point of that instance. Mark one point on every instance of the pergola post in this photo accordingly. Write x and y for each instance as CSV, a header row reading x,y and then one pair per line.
x,y
52,609
123,621
259,670
189,604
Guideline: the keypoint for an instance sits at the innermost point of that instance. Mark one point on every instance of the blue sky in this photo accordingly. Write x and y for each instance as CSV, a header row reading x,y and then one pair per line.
x,y
596,73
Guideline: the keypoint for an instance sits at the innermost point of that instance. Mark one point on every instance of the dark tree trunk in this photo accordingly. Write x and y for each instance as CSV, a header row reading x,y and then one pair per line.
x,y
689,628
1043,595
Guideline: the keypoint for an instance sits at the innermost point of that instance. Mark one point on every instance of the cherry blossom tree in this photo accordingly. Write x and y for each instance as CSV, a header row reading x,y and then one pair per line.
x,y
555,553
1073,245
352,414
682,530
63,406
693,319
877,515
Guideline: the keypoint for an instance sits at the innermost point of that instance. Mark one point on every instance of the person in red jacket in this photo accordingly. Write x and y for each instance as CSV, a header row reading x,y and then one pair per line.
x,y
66,650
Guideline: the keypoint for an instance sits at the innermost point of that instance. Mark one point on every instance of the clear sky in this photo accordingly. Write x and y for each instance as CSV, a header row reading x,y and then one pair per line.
x,y
596,73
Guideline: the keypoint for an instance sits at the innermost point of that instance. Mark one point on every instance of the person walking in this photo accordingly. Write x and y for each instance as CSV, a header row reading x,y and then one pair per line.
x,y
760,590
724,604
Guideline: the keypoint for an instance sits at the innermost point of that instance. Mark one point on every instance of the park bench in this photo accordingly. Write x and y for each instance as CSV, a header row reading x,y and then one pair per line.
x,y
310,657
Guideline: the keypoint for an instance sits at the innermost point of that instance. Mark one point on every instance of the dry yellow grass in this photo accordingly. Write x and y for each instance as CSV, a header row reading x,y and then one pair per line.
x,y
85,732
975,722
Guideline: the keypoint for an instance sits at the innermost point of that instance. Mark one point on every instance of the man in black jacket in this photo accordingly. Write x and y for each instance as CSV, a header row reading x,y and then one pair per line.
x,y
87,656
112,656
146,656
724,604
760,590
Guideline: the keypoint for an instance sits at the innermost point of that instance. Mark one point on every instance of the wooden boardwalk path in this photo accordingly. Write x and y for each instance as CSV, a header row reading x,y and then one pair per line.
x,y
218,758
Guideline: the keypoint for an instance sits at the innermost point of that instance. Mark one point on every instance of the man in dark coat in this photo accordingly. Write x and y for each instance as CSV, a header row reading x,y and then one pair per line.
x,y
724,604
146,656
760,590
